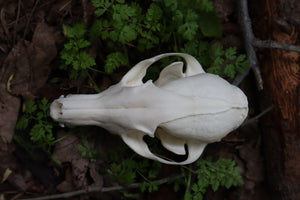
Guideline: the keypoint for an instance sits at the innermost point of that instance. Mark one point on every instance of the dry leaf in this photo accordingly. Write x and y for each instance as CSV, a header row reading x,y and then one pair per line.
x,y
29,62
66,151
9,109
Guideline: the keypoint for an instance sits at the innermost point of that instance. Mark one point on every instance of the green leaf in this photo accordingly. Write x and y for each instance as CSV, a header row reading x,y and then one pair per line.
x,y
215,185
82,43
228,183
171,4
217,50
83,61
240,58
209,24
178,17
76,31
100,11
223,172
198,196
31,107
23,122
190,48
130,195
74,74
143,186
206,5
242,64
230,70
154,14
114,61
48,128
188,196
44,105
127,34
39,115
153,186
49,139
230,53
100,3
55,159
218,61
102,6
195,188
122,12
37,133
188,30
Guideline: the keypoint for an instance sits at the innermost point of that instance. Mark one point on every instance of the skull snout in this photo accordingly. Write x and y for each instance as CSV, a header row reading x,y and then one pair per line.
x,y
56,110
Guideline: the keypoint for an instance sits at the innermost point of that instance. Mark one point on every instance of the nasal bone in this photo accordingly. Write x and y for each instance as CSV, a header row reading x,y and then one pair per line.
x,y
56,110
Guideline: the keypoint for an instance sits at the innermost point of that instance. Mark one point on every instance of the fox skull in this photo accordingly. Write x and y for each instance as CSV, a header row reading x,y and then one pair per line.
x,y
190,108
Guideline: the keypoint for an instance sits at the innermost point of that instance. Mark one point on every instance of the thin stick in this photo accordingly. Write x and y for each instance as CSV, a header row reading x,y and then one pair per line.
x,y
16,22
29,19
254,119
4,25
93,189
84,8
274,44
246,27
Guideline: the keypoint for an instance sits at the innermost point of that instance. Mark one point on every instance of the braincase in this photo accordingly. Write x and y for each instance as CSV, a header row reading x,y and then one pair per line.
x,y
202,85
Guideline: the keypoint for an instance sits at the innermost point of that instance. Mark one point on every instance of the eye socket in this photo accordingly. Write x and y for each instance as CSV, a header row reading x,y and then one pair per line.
x,y
155,146
154,70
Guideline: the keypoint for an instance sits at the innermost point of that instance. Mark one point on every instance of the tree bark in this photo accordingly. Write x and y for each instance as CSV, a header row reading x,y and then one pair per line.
x,y
279,20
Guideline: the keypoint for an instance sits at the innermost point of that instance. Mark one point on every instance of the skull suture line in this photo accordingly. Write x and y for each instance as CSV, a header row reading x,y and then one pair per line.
x,y
191,108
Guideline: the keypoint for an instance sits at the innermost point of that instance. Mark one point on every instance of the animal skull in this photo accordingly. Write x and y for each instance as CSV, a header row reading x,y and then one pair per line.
x,y
191,108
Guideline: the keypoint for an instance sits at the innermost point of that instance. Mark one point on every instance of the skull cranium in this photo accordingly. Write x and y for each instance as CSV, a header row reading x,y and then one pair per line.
x,y
191,108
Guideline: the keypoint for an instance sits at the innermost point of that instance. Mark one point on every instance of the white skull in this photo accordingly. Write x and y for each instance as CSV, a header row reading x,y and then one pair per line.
x,y
191,108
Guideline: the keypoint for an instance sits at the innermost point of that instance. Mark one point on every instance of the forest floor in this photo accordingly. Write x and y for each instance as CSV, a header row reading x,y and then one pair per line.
x,y
31,39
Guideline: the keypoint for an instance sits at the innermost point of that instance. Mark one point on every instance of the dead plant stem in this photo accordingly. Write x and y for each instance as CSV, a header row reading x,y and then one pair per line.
x,y
93,189
274,44
246,28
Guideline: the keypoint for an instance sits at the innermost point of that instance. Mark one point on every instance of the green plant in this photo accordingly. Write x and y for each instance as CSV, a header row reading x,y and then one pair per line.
x,y
216,60
223,172
196,177
88,152
133,169
36,120
160,25
227,62
126,23
74,53
114,61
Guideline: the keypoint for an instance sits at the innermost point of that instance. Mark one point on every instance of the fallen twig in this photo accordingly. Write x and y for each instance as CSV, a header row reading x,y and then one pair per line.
x,y
93,189
246,27
254,119
16,22
29,19
274,44
84,8
4,25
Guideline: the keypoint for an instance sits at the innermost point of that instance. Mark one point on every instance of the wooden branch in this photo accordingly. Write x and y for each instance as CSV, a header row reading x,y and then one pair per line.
x,y
254,119
246,27
274,44
93,189
250,42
